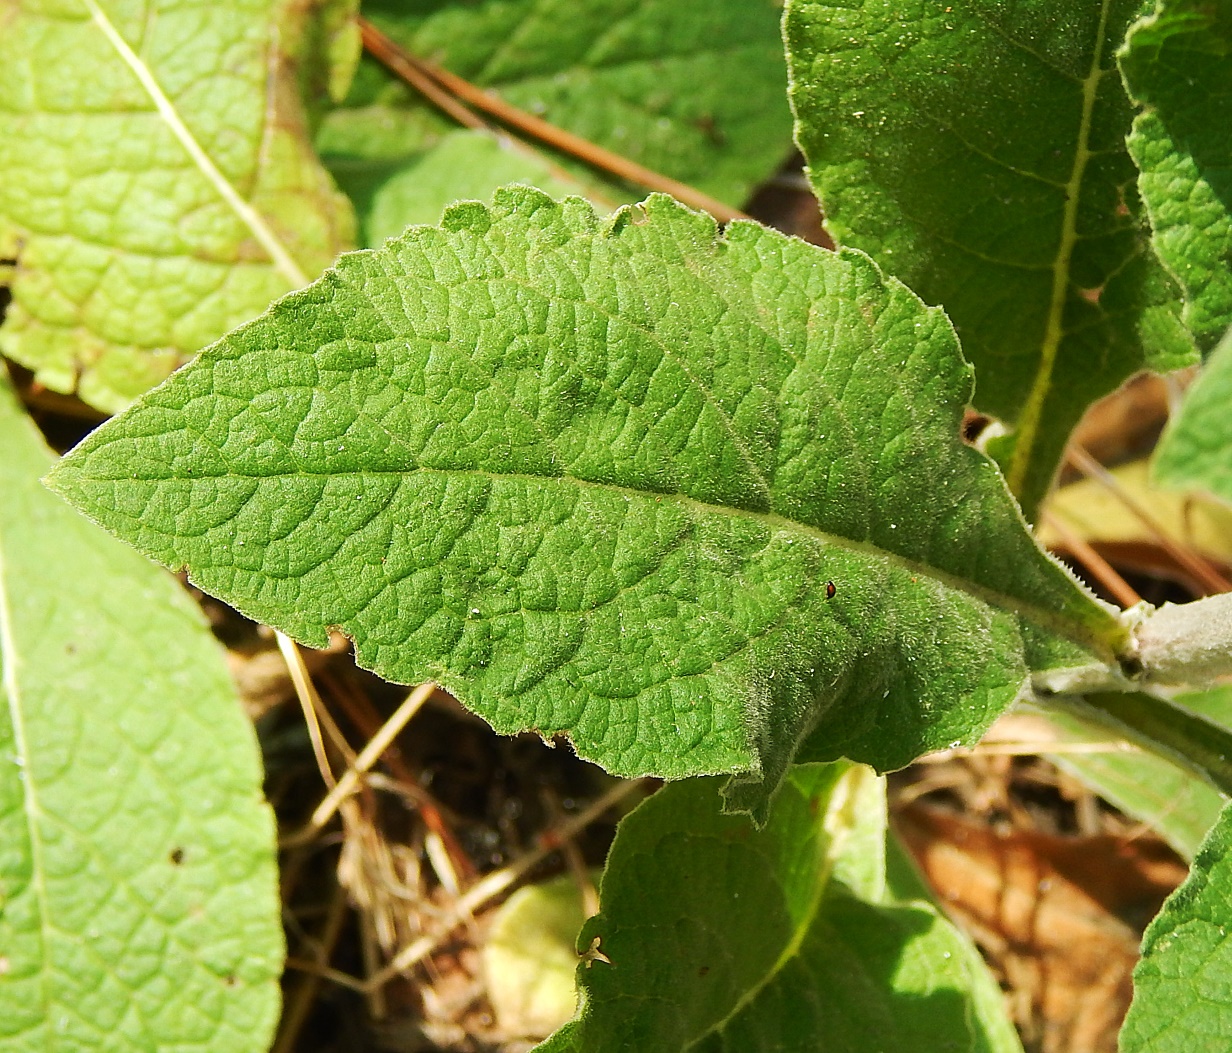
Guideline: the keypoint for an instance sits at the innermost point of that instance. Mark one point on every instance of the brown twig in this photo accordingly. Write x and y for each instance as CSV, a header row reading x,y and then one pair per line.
x,y
402,65
367,757
443,84
363,714
1203,573
1098,567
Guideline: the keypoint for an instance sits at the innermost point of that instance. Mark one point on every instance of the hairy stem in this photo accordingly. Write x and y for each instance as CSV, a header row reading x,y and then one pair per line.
x,y
1187,644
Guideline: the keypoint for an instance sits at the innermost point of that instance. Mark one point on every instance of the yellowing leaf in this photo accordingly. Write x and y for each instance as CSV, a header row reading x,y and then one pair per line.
x,y
156,183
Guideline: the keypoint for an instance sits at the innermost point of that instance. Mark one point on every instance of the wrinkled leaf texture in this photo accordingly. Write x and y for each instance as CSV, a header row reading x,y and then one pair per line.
x,y
157,186
977,152
1183,983
1178,63
138,887
684,497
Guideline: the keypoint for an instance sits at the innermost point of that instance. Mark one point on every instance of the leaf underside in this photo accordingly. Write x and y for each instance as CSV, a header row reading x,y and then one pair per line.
x,y
680,496
977,153
138,886
132,253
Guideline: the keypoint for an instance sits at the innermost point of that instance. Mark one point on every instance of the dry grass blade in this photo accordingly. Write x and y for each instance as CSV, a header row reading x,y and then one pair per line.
x,y
500,881
433,82
309,701
367,757
1206,575
404,783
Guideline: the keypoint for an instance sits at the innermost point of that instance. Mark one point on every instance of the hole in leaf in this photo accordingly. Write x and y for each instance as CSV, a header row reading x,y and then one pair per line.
x,y
974,425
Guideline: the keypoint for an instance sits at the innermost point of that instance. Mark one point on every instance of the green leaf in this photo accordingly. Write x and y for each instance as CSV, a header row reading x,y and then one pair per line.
x,y
977,153
138,890
1183,984
156,183
690,88
464,165
714,935
1178,63
1195,451
1172,800
684,497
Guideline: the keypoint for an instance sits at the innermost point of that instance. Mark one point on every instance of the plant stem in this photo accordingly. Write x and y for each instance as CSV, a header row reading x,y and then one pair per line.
x,y
1188,643
1183,737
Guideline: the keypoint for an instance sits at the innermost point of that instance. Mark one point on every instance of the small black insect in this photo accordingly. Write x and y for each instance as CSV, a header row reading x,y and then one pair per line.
x,y
831,589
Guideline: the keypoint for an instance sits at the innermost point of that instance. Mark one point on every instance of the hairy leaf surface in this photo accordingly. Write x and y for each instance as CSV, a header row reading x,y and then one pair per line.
x,y
138,891
977,153
156,182
1178,62
715,936
681,496
1183,984
690,88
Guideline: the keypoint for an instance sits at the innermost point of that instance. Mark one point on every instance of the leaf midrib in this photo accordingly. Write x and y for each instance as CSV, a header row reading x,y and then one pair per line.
x,y
837,826
991,597
282,259
1030,419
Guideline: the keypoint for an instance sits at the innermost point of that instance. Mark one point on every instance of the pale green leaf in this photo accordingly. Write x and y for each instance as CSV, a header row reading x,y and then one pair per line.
x,y
1172,800
529,960
464,165
138,890
682,496
156,182
1183,984
977,153
1178,62
1195,451
797,937
690,88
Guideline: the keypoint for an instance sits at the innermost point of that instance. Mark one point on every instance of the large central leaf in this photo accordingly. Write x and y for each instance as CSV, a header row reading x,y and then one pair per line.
x,y
680,496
